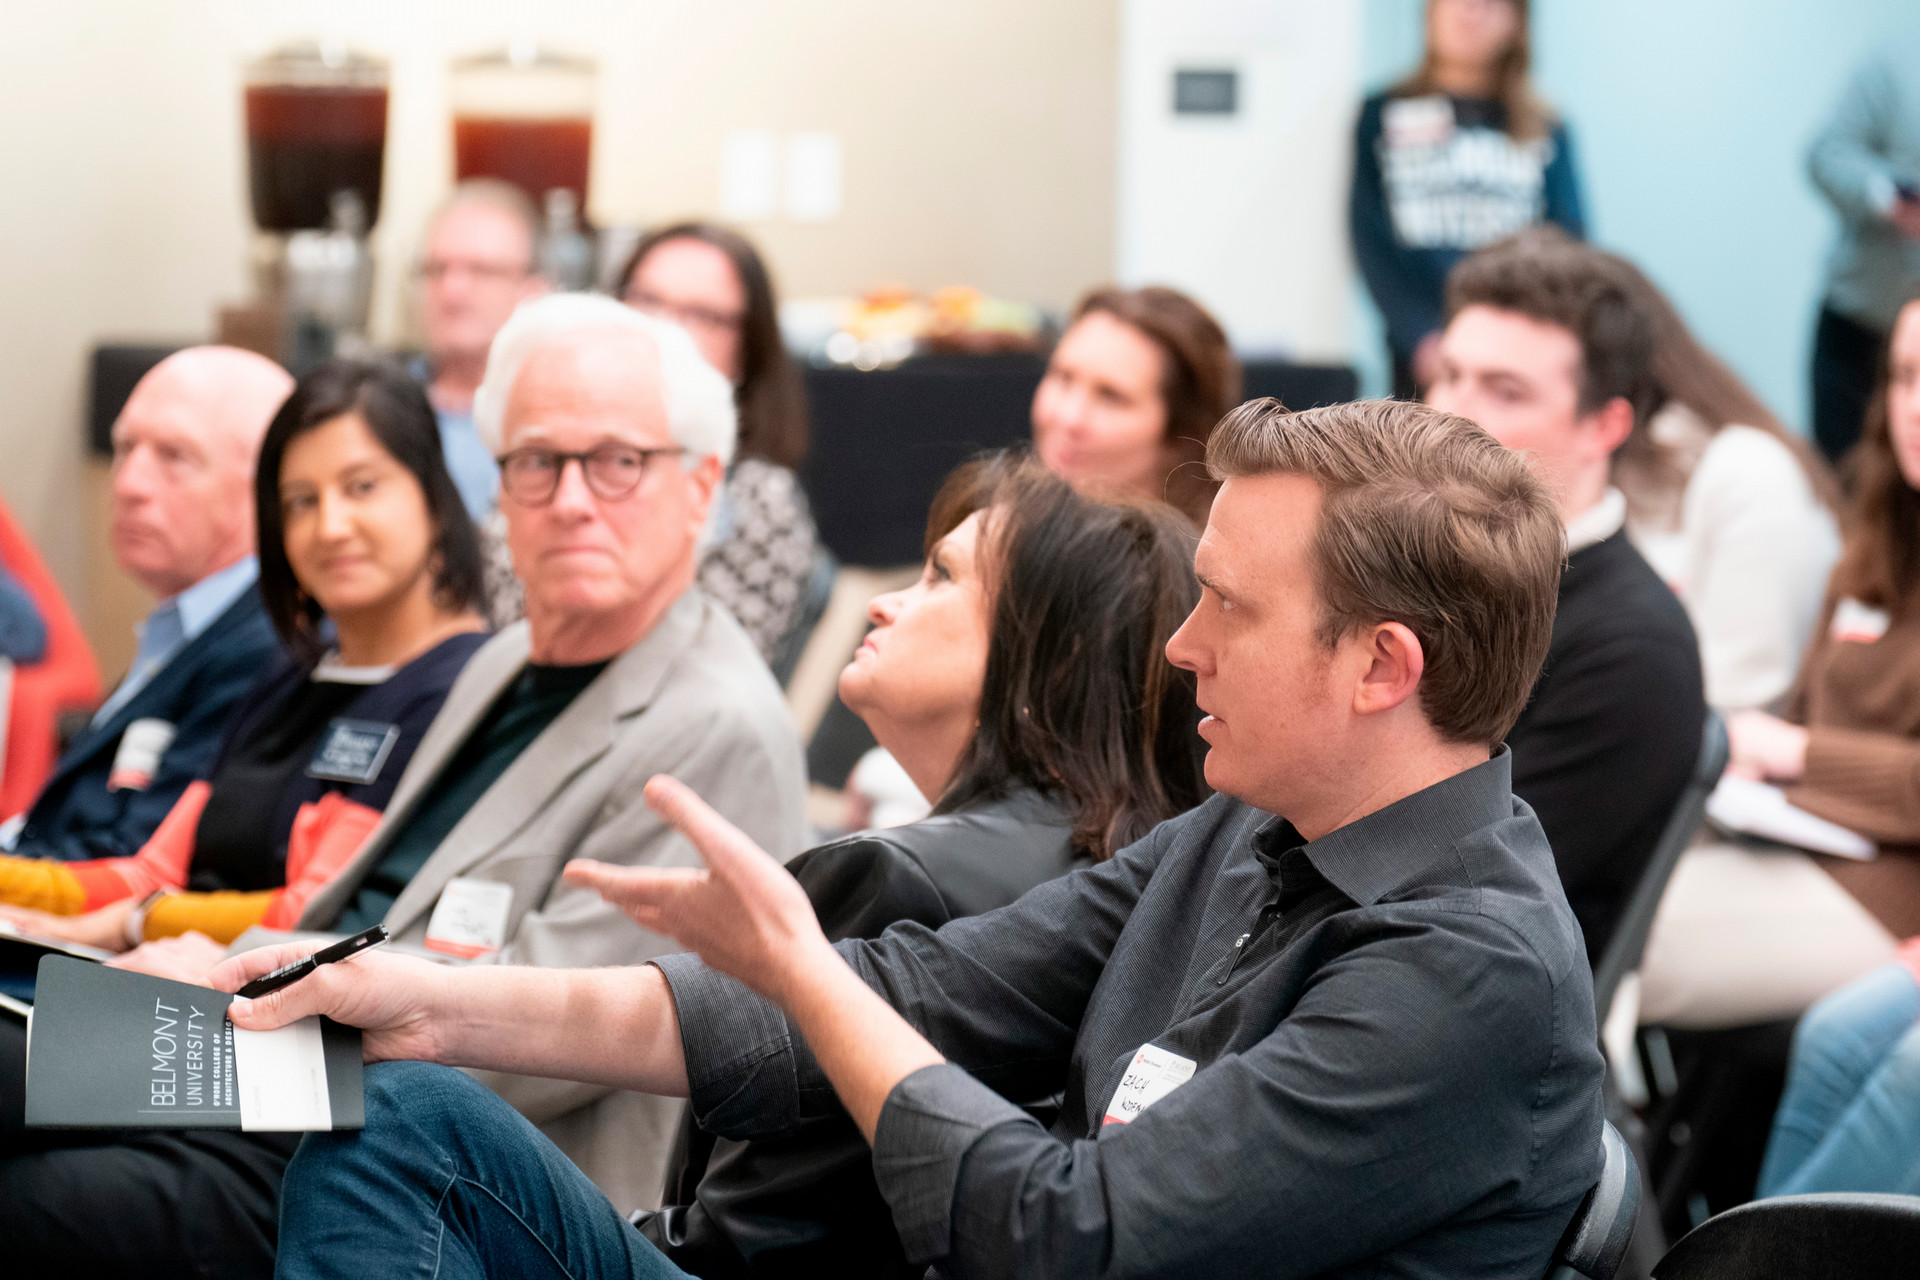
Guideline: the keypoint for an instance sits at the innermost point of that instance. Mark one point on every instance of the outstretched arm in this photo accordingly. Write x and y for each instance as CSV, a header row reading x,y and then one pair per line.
x,y
601,1026
748,918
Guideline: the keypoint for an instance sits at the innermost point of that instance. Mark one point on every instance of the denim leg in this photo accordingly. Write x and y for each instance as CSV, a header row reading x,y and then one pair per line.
x,y
1839,1048
447,1182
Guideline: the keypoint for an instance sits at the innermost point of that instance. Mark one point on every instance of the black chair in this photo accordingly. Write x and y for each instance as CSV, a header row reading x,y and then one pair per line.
x,y
1596,1240
1848,1234
1629,941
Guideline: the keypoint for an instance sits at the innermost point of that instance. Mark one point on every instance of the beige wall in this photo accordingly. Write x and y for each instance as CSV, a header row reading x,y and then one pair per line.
x,y
978,137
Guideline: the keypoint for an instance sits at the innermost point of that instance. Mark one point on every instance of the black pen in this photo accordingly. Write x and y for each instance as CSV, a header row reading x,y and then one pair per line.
x,y
270,982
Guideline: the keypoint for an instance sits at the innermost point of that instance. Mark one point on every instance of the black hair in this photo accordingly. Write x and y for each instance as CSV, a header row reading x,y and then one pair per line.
x,y
396,411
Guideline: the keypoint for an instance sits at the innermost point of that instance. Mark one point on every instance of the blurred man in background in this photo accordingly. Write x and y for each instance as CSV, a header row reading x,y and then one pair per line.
x,y
183,528
477,266
1548,352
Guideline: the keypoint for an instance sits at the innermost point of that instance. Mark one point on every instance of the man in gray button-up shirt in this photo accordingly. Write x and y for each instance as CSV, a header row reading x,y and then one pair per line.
x,y
1336,1021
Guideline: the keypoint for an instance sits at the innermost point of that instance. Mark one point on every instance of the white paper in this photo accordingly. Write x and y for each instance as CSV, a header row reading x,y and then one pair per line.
x,y
813,177
1753,808
749,175
1152,1075
282,1079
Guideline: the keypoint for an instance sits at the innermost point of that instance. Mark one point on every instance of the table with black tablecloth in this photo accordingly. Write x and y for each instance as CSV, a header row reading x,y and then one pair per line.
x,y
884,440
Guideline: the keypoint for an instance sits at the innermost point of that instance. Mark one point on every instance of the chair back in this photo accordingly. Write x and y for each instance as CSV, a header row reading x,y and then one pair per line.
x,y
1622,955
1851,1234
1596,1240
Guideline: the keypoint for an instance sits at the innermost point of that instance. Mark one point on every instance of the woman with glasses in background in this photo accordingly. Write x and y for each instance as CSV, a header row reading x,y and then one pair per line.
x,y
759,557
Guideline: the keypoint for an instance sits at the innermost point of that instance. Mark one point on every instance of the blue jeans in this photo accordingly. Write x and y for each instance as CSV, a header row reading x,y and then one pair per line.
x,y
1850,1117
449,1182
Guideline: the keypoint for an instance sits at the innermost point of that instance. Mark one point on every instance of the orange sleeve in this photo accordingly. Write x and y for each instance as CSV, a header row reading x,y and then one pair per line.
x,y
41,884
326,834
221,916
161,863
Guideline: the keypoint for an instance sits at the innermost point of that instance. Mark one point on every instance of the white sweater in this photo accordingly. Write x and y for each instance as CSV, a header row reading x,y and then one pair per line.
x,y
1749,557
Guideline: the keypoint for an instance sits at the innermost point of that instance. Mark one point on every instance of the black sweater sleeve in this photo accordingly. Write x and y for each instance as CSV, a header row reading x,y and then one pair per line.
x,y
1606,746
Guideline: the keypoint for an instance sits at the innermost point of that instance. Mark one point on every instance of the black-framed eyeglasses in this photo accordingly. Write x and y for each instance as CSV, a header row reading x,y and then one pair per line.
x,y
688,315
531,476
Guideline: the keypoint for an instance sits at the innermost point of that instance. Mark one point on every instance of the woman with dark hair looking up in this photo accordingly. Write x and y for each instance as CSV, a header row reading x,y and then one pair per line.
x,y
1022,683
370,571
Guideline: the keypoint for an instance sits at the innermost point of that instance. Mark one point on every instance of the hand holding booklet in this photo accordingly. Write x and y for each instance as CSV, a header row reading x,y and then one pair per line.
x,y
1746,807
109,1048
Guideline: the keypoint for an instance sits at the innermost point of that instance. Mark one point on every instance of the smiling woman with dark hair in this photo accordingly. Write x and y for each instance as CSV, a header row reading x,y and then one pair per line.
x,y
370,572
359,527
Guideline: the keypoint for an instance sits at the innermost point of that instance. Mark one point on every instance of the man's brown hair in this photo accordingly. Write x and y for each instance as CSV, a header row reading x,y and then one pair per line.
x,y
1428,521
1548,276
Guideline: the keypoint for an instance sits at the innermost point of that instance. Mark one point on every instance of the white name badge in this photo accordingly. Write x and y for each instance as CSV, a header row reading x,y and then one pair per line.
x,y
470,920
141,746
1860,623
1152,1075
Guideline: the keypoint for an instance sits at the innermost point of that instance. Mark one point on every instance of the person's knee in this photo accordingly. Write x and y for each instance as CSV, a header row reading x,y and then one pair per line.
x,y
421,1095
1850,1020
1901,1071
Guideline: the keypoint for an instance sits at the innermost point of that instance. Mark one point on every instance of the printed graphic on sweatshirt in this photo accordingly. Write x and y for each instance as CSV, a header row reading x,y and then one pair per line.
x,y
1457,186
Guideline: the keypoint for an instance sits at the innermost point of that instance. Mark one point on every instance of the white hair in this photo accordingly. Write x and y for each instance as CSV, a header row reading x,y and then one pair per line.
x,y
699,400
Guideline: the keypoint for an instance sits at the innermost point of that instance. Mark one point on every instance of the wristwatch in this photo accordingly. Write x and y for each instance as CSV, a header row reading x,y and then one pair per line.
x,y
137,918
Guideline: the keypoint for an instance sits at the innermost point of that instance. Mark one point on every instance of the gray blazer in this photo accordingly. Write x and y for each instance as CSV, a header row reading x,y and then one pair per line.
x,y
692,699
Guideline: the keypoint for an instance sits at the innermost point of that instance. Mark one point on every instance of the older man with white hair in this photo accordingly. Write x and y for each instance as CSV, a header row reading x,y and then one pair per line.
x,y
612,435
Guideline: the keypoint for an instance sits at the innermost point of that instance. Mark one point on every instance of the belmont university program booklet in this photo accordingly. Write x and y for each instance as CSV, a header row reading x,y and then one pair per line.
x,y
107,1048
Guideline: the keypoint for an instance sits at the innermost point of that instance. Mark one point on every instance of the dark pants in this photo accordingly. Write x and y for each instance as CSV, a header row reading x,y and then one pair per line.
x,y
447,1182
1846,365
147,1203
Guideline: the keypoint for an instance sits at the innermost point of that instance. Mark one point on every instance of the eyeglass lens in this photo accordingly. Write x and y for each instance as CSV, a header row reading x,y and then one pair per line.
x,y
611,471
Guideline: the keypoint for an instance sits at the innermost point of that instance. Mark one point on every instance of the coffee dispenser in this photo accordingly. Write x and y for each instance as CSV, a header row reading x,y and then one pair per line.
x,y
525,115
316,121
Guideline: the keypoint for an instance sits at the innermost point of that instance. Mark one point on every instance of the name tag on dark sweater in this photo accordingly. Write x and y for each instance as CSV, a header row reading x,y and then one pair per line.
x,y
353,751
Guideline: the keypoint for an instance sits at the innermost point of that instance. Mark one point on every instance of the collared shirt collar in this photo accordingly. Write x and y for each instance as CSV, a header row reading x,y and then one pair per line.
x,y
210,597
1369,857
1598,522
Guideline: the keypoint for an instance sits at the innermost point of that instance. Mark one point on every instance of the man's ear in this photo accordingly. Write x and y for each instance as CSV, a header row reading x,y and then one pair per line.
x,y
705,476
1395,663
1612,423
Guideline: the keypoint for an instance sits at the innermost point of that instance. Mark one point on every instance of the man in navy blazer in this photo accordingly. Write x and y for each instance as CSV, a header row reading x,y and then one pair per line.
x,y
183,527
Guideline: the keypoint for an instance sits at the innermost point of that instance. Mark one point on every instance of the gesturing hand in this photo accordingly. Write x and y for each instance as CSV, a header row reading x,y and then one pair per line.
x,y
744,915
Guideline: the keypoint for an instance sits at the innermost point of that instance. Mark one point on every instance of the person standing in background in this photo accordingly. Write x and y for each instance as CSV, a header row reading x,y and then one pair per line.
x,y
1866,162
1456,156
478,264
